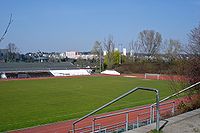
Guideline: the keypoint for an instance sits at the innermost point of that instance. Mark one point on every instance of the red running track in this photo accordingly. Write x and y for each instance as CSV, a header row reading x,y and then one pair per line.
x,y
162,77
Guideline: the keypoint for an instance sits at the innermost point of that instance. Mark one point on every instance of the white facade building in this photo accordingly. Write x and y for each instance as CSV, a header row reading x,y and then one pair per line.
x,y
72,54
104,53
76,55
116,49
89,56
124,51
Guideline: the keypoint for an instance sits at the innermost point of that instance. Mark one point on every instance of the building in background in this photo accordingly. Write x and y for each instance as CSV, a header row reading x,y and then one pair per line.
x,y
124,51
80,55
72,54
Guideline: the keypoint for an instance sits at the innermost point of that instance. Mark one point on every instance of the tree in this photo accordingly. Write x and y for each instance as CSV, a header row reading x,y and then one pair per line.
x,y
149,42
12,48
97,50
190,68
13,52
6,30
115,59
134,49
109,47
194,41
172,48
193,70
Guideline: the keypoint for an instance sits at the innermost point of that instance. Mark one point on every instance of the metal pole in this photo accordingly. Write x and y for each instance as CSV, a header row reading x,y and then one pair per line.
x,y
126,121
100,58
93,125
157,111
120,58
150,113
173,108
73,128
153,114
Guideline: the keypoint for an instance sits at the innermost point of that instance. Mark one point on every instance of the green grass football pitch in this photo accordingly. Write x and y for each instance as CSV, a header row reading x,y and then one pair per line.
x,y
25,103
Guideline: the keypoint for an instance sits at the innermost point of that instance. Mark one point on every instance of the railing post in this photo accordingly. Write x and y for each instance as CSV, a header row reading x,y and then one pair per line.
x,y
93,125
100,128
151,115
173,108
137,120
157,111
73,128
127,121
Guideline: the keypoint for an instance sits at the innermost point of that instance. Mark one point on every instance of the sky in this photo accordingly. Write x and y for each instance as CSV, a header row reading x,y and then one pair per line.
x,y
74,25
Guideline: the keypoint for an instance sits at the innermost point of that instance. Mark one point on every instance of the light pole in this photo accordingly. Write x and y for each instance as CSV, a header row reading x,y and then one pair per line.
x,y
120,49
100,51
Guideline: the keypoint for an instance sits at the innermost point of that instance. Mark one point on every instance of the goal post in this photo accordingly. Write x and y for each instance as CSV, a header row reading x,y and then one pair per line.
x,y
146,75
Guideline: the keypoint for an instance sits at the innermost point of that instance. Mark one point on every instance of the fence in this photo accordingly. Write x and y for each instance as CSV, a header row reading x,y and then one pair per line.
x,y
133,118
127,119
120,97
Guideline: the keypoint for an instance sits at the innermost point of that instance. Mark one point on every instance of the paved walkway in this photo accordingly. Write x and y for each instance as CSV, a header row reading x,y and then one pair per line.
x,y
185,123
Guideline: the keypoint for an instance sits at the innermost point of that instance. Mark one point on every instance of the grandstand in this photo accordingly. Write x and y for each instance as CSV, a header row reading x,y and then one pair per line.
x,y
31,70
22,66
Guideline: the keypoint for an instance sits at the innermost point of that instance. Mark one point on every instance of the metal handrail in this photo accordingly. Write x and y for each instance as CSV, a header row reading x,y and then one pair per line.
x,y
175,94
120,97
119,113
181,91
129,111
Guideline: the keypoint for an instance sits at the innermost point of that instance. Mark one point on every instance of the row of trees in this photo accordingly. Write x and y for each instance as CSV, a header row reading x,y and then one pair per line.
x,y
112,58
168,56
149,43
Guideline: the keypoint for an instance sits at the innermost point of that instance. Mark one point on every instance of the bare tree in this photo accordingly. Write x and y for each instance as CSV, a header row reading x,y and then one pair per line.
x,y
194,49
97,50
109,47
172,48
13,52
6,30
134,49
12,48
150,42
194,41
